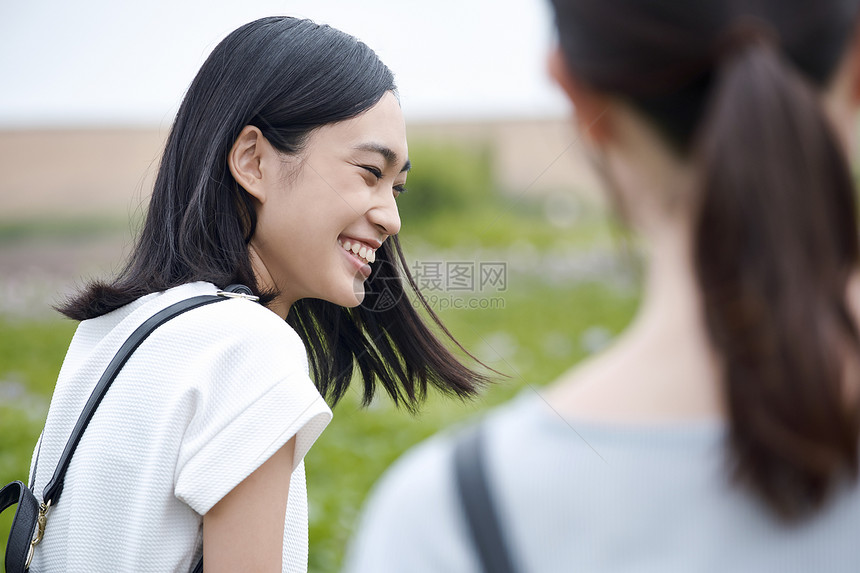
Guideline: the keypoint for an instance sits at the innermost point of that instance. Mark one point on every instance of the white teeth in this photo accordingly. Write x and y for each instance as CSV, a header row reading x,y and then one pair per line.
x,y
360,250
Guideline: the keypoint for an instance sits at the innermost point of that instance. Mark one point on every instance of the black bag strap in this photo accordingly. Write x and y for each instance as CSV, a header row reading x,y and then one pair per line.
x,y
36,462
52,491
18,547
476,501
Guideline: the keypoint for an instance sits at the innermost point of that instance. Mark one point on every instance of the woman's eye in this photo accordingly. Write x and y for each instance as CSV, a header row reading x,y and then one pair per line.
x,y
376,172
399,189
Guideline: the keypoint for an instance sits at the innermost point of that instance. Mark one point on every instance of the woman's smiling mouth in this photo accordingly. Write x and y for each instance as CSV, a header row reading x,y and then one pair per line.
x,y
359,250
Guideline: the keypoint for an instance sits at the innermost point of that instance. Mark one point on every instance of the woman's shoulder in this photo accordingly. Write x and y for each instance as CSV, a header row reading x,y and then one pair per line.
x,y
229,319
413,510
237,329
237,316
233,332
411,518
427,464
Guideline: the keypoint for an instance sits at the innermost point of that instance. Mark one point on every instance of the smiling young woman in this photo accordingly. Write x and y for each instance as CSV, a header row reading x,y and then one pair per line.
x,y
281,172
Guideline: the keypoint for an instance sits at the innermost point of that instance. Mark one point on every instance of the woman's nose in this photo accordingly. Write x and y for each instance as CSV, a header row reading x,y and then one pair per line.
x,y
386,217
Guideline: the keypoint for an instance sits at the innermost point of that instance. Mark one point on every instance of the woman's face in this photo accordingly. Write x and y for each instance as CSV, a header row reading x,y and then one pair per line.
x,y
322,215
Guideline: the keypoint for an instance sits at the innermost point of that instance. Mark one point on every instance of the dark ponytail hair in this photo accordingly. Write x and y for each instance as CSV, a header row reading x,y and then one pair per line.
x,y
775,240
287,77
775,246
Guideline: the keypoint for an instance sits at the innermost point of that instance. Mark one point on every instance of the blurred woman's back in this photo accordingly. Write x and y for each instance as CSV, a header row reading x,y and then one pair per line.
x,y
720,432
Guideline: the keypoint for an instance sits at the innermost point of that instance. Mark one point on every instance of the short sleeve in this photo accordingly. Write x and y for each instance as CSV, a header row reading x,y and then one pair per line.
x,y
251,395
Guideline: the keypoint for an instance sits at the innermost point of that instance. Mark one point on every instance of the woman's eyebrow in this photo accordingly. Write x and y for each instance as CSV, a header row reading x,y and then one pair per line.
x,y
387,153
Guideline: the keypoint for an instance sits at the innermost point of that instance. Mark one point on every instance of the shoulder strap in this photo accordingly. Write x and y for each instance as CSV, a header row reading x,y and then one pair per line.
x,y
36,461
477,503
54,488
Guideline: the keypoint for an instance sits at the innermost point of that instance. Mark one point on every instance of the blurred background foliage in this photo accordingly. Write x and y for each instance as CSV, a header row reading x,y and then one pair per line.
x,y
447,179
565,296
456,200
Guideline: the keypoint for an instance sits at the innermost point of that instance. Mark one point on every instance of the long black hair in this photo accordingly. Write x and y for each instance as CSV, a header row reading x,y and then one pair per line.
x,y
735,87
287,77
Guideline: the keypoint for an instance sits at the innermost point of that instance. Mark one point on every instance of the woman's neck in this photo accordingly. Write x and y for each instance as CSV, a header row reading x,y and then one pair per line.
x,y
281,305
662,367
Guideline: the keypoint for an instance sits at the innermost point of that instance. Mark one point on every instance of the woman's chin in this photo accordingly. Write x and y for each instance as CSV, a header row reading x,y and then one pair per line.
x,y
356,301
348,297
356,296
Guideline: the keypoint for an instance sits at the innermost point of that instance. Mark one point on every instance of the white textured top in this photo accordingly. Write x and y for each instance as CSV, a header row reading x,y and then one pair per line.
x,y
587,496
201,404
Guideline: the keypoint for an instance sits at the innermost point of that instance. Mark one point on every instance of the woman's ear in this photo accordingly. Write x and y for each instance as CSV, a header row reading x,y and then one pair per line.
x,y
591,106
245,161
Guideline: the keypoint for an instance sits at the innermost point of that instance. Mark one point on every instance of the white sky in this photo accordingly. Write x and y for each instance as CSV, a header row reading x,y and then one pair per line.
x,y
115,62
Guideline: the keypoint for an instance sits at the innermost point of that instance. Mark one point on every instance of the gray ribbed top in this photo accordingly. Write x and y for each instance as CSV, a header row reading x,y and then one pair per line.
x,y
586,496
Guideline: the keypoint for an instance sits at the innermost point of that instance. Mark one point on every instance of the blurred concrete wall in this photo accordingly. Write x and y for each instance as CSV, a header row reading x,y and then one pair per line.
x,y
110,171
76,172
534,156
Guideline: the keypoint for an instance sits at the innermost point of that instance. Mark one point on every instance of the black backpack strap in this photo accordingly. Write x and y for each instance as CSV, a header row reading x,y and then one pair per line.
x,y
52,491
476,501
